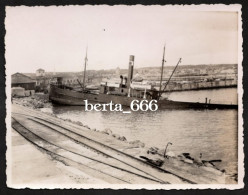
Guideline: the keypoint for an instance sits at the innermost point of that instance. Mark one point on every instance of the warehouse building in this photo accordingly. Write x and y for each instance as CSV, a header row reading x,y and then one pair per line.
x,y
21,80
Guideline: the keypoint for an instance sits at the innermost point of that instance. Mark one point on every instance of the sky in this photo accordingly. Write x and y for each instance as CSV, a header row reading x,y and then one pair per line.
x,y
55,38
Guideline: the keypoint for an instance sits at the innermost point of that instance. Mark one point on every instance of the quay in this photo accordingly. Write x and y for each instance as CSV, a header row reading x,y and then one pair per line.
x,y
96,154
76,154
31,166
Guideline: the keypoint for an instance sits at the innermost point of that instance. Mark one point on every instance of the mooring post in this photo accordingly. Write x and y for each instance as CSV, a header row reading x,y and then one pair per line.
x,y
206,100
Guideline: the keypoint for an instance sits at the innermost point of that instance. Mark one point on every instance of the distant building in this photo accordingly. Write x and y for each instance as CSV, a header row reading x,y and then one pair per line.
x,y
197,71
203,71
235,70
137,78
228,71
40,73
21,80
210,71
118,71
72,80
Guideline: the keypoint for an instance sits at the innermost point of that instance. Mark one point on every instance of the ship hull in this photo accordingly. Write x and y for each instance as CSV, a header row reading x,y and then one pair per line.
x,y
75,98
69,97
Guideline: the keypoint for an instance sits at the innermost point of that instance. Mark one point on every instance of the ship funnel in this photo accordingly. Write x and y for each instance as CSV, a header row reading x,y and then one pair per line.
x,y
121,77
130,71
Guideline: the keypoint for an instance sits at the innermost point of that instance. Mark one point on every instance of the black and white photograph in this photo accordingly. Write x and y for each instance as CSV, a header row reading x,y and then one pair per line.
x,y
124,97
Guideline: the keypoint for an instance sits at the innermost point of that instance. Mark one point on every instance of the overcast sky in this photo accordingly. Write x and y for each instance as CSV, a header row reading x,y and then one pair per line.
x,y
57,37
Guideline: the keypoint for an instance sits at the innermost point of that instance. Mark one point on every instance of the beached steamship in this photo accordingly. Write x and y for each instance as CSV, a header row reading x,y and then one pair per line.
x,y
122,93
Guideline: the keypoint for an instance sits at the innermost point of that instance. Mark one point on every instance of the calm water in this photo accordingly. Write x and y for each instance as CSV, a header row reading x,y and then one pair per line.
x,y
210,132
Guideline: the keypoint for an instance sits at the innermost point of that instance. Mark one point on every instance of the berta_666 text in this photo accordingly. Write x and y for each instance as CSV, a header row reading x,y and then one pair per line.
x,y
135,105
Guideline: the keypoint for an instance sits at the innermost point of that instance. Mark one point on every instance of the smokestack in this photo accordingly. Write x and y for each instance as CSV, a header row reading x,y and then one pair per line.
x,y
130,71
121,80
125,79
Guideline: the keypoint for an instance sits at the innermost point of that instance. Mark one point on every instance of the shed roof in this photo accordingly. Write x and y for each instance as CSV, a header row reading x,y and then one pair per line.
x,y
21,78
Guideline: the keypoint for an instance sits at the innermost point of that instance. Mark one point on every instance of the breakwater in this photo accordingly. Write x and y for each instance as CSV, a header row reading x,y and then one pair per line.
x,y
184,86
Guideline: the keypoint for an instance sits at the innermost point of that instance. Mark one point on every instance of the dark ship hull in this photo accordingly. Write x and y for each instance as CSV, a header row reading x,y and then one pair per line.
x,y
69,97
74,98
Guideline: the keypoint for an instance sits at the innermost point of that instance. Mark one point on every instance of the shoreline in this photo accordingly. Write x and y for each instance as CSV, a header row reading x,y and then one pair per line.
x,y
137,145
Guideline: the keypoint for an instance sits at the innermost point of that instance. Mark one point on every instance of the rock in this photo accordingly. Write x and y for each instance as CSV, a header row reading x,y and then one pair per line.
x,y
94,129
234,177
152,150
122,138
207,164
188,161
187,155
137,143
39,105
116,136
181,157
79,123
107,131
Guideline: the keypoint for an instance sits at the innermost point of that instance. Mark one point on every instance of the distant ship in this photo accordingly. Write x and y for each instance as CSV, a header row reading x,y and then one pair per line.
x,y
123,93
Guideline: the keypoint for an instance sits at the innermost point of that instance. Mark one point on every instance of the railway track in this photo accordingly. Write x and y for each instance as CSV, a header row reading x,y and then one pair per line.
x,y
83,151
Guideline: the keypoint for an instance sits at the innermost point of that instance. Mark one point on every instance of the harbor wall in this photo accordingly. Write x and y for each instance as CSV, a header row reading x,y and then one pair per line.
x,y
200,85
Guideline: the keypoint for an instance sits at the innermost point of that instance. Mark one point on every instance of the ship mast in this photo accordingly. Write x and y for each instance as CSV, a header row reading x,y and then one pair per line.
x,y
85,63
179,61
162,71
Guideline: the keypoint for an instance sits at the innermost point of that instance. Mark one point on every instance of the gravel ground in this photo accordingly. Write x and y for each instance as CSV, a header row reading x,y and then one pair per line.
x,y
36,101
